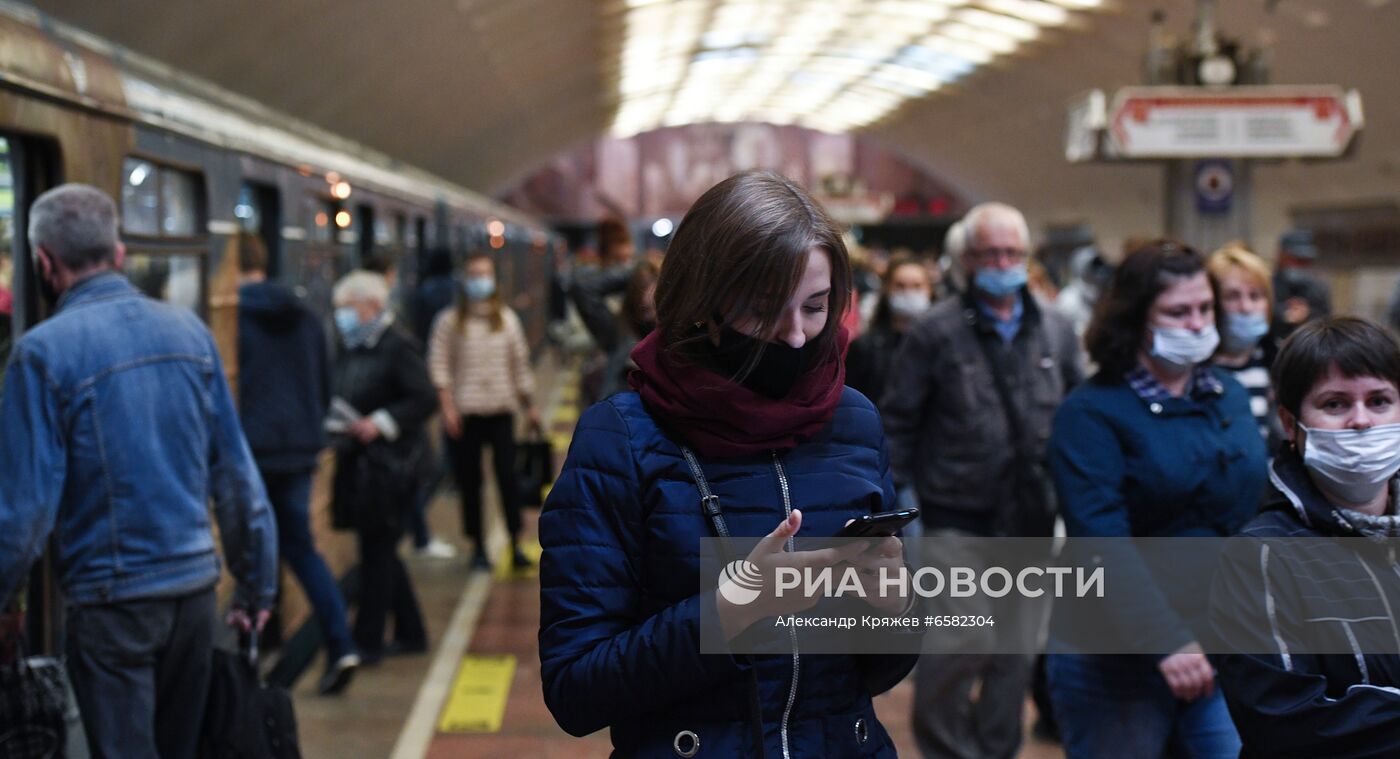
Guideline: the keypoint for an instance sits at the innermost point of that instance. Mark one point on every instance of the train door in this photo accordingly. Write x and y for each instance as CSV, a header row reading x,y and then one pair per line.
x,y
28,166
260,213
320,265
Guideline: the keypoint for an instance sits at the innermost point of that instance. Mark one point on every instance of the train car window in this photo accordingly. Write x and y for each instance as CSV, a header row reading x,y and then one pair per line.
x,y
140,198
425,234
401,230
161,201
384,231
249,210
463,243
179,201
365,236
319,219
176,278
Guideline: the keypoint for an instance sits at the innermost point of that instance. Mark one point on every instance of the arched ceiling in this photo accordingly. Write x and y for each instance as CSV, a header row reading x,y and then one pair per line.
x,y
482,91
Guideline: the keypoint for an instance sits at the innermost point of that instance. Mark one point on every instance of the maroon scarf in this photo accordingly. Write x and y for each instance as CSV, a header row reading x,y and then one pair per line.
x,y
721,418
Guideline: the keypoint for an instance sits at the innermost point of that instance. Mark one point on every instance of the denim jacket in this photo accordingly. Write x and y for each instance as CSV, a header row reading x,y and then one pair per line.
x,y
117,425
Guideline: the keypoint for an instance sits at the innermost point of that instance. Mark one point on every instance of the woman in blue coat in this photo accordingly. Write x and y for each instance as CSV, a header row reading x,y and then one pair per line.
x,y
1159,444
744,373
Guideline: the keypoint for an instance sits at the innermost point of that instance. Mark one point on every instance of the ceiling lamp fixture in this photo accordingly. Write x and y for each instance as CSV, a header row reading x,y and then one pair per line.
x,y
833,65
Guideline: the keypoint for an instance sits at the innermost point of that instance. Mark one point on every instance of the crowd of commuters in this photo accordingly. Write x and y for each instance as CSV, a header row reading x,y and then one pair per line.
x,y
1157,397
740,394
119,428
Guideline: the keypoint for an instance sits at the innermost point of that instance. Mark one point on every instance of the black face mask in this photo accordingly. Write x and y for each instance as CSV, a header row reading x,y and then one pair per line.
x,y
46,290
777,370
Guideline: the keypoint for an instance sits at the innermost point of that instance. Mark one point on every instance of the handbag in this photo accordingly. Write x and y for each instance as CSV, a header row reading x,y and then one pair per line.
x,y
534,468
33,708
244,717
375,485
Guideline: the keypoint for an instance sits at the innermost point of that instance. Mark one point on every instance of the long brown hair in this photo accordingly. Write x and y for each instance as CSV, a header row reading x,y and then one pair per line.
x,y
1115,334
634,305
742,249
496,317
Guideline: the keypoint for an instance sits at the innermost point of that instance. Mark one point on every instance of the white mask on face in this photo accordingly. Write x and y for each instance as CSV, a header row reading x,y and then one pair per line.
x,y
1355,464
1183,348
909,304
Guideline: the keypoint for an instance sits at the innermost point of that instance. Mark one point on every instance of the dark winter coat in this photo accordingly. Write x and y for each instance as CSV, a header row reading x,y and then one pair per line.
x,y
1190,466
283,378
621,598
1310,580
948,431
868,362
384,379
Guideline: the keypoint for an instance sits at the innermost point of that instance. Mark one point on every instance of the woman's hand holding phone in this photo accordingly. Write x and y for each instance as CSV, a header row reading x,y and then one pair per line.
x,y
768,555
884,553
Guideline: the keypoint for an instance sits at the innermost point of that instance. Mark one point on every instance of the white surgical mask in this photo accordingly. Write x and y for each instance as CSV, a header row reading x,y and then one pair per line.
x,y
1355,464
1183,348
909,304
1244,331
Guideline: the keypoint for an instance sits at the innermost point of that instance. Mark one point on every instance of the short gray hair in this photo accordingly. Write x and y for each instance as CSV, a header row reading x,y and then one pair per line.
x,y
76,224
955,240
985,215
361,285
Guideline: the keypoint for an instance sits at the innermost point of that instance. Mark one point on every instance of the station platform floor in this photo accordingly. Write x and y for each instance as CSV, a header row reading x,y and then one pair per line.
x,y
477,691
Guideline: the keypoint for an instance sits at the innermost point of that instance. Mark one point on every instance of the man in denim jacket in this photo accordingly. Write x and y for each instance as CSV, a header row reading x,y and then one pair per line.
x,y
116,429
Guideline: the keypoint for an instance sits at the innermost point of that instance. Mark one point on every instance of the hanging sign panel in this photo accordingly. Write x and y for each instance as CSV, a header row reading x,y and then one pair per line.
x,y
1234,122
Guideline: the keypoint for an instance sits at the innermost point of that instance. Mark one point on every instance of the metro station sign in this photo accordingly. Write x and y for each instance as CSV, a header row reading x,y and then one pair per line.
x,y
1195,122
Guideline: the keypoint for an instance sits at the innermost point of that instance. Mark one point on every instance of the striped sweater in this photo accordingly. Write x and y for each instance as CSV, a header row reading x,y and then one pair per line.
x,y
488,372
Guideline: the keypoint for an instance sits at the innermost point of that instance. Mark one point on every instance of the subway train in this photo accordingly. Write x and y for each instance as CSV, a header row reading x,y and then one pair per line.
x,y
191,166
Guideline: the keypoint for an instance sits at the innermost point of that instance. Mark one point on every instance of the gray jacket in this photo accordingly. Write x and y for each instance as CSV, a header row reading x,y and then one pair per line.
x,y
946,427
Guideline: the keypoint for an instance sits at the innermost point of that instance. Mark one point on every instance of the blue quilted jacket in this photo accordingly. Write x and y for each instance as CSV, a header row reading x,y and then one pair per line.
x,y
621,595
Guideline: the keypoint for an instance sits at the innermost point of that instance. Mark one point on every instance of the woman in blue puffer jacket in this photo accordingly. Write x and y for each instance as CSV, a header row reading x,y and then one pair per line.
x,y
745,371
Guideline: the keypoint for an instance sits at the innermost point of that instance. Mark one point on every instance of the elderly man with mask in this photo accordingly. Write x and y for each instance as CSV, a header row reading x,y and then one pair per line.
x,y
967,411
118,428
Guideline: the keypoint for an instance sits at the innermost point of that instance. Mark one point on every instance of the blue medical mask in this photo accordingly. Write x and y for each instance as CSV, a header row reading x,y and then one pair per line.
x,y
1244,331
347,320
1000,283
479,288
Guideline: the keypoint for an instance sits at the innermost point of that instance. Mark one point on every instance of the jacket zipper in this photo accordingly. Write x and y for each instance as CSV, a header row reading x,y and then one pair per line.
x,y
792,631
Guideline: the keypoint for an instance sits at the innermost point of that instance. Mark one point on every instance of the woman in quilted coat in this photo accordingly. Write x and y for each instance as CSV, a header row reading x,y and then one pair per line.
x,y
744,374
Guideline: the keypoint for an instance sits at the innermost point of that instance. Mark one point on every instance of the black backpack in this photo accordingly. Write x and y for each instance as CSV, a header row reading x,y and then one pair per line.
x,y
244,718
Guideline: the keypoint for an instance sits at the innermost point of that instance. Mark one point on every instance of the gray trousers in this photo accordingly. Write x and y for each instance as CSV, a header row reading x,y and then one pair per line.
x,y
969,705
140,671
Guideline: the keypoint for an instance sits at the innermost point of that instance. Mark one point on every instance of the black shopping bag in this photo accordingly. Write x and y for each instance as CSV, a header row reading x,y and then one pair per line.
x,y
33,708
534,469
245,718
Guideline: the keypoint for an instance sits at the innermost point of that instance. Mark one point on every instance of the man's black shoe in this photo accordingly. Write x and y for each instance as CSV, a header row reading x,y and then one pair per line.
x,y
338,674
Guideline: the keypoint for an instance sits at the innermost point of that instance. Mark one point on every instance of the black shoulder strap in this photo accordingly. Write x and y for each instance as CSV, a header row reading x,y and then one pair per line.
x,y
709,503
1013,419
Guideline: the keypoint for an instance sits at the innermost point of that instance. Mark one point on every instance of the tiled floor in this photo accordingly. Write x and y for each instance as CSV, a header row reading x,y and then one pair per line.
x,y
366,721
